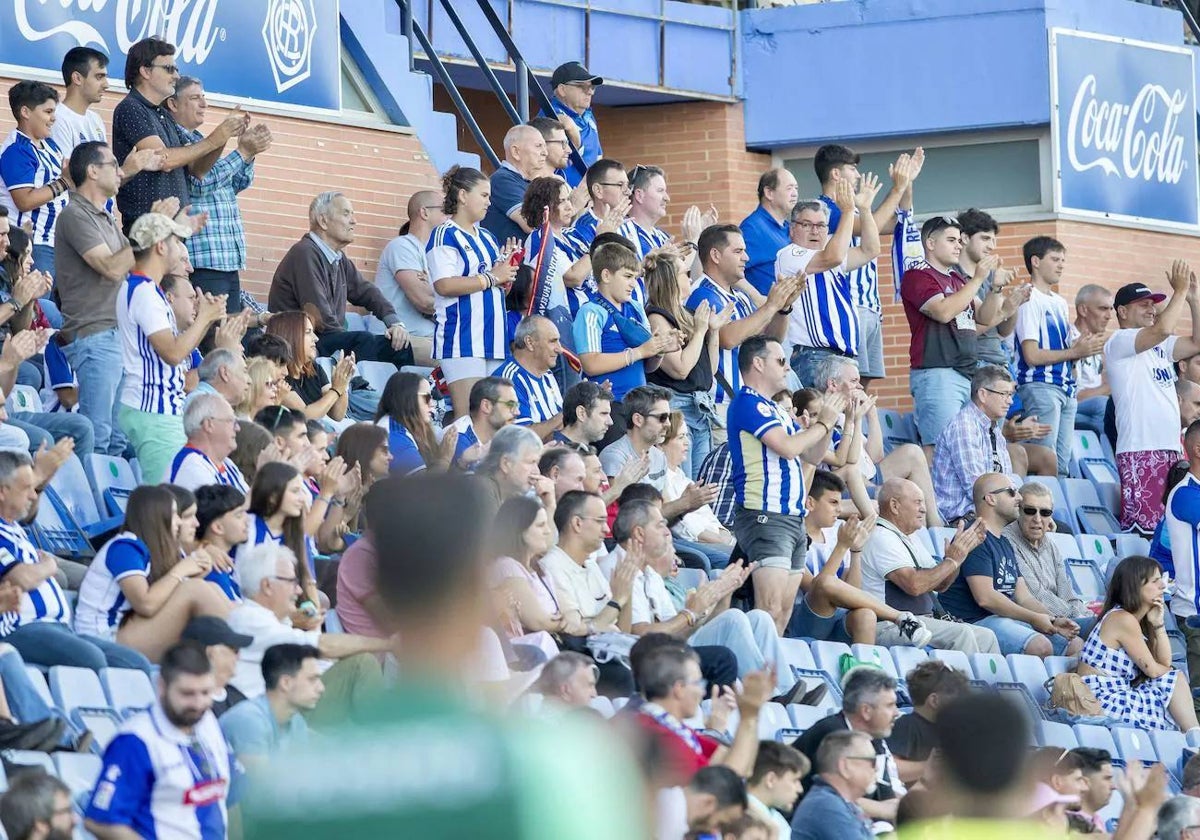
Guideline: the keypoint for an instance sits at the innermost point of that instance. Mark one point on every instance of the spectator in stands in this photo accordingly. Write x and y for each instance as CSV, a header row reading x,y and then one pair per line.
x,y
899,571
990,590
223,372
972,443
263,384
1180,525
33,168
141,590
834,164
766,229
221,646
1040,562
492,406
940,306
587,417
290,430
85,77
648,201
845,764
211,429
142,122
535,352
265,726
358,603
1098,786
565,260
836,374
403,272
670,680
979,232
769,487
722,253
558,155
568,680
270,588
1187,393
407,404
565,468
774,786
37,806
221,526
931,685
1177,818
869,708
574,88
218,251
524,159
1093,312
312,391
522,535
700,528
470,273
156,354
252,441
608,189
1139,358
1126,662
612,333
91,260
827,323
687,372
511,466
1046,361
144,788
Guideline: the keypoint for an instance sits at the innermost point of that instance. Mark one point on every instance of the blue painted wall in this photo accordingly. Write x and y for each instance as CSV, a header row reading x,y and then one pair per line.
x,y
883,68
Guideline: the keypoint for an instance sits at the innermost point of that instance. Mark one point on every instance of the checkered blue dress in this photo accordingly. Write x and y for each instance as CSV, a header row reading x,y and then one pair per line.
x,y
1143,706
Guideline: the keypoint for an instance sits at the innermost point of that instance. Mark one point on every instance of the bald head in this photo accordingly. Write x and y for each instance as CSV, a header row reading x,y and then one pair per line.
x,y
1191,442
996,499
423,199
525,150
902,503
1188,393
424,214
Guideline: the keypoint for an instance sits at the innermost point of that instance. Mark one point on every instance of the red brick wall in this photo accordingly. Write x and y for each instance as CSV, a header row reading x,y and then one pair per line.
x,y
377,168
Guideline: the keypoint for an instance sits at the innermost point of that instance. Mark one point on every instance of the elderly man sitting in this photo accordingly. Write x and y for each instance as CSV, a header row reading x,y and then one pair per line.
x,y
1040,561
223,372
511,466
900,571
269,586
211,428
568,681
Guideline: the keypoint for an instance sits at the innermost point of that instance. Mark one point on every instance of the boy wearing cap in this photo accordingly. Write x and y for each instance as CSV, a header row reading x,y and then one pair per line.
x,y
574,86
154,353
1140,359
221,646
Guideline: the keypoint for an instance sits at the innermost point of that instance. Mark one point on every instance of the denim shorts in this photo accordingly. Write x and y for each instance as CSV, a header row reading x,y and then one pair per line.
x,y
772,540
806,623
1013,635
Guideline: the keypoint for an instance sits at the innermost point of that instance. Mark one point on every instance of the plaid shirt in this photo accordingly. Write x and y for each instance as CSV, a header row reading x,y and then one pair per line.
x,y
717,469
970,446
221,244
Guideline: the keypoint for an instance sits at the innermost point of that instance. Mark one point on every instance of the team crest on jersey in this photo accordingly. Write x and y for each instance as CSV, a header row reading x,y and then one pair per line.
x,y
765,410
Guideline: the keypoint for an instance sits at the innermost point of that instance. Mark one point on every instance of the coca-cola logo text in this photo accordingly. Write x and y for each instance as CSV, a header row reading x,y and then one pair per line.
x,y
1138,139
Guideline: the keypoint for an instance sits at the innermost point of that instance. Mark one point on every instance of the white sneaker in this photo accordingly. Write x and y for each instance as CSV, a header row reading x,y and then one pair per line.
x,y
914,629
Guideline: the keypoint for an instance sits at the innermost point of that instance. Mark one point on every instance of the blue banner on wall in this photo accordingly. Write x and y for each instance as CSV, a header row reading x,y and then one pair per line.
x,y
1123,116
279,51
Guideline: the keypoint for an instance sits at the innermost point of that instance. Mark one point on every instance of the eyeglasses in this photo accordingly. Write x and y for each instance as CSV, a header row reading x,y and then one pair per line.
x,y
586,87
811,225
593,518
171,69
431,207
562,143
513,405
621,184
701,684
425,398
870,758
1006,394
292,580
1029,510
1007,491
661,418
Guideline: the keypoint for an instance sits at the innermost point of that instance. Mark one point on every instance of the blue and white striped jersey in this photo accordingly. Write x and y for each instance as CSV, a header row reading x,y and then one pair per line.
x,y
824,314
1182,524
162,782
102,604
539,396
864,281
45,603
567,250
762,480
28,164
727,360
192,469
470,326
151,384
1045,319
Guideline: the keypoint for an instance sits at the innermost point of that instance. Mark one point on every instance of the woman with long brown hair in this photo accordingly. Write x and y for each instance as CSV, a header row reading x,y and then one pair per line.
x,y
311,390
140,591
407,405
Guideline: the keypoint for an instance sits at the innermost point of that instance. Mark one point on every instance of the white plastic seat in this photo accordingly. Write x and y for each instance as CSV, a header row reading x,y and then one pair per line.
x,y
113,480
128,689
377,374
1030,672
78,771
75,688
991,668
955,659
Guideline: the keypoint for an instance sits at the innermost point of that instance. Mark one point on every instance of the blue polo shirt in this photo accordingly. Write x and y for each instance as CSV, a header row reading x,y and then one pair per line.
x,y
824,814
508,191
589,140
764,237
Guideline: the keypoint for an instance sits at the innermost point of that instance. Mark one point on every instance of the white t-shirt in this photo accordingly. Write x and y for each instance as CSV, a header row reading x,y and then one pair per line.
x,y
1143,393
650,601
1088,373
71,129
255,620
404,253
885,552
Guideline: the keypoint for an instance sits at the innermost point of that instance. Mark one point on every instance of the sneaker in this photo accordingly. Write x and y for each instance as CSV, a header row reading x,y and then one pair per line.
x,y
914,629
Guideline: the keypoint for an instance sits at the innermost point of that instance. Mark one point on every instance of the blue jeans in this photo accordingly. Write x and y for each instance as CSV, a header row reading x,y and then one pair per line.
x,y
1054,408
938,394
96,360
1014,635
50,643
220,283
717,556
752,638
46,428
1089,415
29,374
699,425
364,402
43,260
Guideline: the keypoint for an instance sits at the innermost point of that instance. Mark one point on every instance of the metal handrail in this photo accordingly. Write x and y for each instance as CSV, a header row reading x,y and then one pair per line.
x,y
481,61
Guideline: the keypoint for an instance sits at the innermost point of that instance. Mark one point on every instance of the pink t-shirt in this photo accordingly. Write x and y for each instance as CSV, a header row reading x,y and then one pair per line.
x,y
506,568
355,582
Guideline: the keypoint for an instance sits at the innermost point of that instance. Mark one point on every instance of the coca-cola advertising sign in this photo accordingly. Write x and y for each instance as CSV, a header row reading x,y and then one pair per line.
x,y
1123,116
285,52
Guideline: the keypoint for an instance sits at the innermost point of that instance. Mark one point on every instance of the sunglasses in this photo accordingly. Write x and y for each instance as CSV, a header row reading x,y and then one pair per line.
x,y
1007,491
1029,510
661,418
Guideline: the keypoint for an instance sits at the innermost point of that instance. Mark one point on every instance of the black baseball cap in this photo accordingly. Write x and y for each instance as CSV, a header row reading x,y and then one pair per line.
x,y
210,630
573,71
1133,292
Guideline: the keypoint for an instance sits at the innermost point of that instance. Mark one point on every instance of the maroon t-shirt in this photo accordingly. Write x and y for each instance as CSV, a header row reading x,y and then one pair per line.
x,y
934,344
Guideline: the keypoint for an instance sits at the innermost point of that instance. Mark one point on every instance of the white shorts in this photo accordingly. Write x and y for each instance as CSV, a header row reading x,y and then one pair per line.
x,y
468,368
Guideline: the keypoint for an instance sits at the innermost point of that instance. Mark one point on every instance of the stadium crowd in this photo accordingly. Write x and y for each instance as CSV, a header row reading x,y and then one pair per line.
x,y
385,578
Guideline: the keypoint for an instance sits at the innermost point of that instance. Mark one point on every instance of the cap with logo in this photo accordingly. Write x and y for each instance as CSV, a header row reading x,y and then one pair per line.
x,y
211,630
152,228
1133,292
573,71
